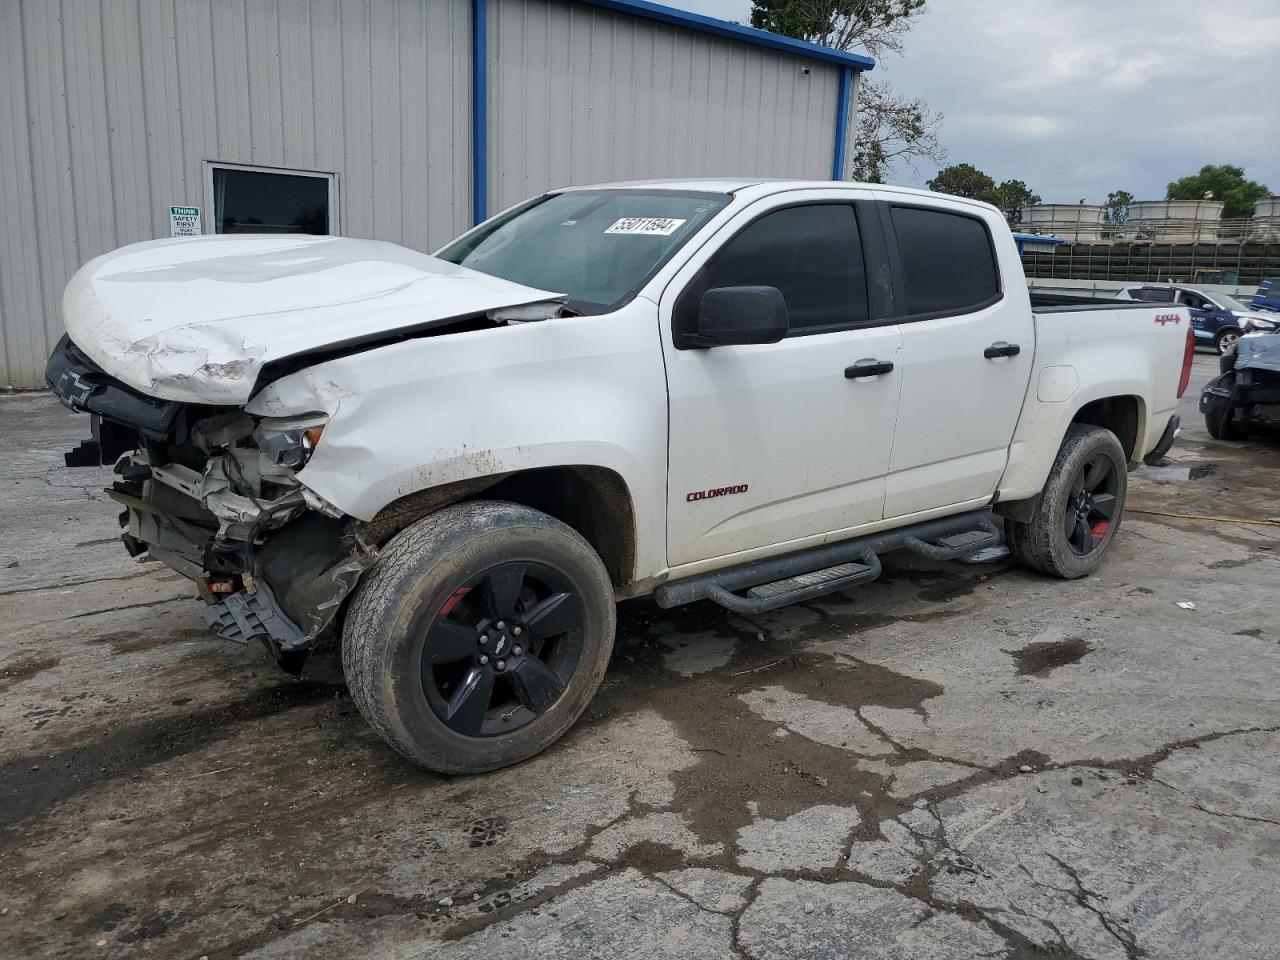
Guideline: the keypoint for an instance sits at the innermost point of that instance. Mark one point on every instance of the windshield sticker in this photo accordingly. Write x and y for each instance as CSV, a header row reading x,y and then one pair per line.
x,y
646,226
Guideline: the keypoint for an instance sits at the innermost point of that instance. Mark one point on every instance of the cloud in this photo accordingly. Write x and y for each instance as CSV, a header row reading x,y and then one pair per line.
x,y
1011,125
1082,98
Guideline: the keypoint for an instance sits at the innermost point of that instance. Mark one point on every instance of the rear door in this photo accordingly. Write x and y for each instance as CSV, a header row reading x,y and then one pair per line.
x,y
968,342
774,443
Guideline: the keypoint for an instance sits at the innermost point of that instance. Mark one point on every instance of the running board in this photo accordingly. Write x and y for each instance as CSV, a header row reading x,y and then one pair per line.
x,y
779,581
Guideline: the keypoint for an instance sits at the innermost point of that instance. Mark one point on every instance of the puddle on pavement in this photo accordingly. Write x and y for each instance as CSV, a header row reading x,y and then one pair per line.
x,y
15,673
138,641
1039,659
1179,472
34,785
741,759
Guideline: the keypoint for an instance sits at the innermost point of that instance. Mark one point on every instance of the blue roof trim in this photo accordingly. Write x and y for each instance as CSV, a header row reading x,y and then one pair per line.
x,y
733,31
842,122
479,111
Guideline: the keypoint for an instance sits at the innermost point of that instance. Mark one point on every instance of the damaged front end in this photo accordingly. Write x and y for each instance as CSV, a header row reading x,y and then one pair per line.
x,y
1247,391
212,492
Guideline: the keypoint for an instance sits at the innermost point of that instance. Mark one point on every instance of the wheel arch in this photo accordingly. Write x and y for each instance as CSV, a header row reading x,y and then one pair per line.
x,y
1123,414
595,501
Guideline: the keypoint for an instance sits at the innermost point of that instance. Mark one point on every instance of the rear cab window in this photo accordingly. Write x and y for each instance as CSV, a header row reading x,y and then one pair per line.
x,y
811,252
947,262
1155,294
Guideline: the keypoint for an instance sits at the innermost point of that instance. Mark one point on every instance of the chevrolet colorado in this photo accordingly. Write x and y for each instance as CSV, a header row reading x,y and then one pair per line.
x,y
732,390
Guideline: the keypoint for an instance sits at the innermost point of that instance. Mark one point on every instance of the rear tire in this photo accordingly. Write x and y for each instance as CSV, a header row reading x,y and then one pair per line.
x,y
412,653
1077,516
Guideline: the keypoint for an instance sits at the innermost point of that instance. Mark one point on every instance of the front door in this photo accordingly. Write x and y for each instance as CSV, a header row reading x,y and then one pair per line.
x,y
772,444
968,344
1207,318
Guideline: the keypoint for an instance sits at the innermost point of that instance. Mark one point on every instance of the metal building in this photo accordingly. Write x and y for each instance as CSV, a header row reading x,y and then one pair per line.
x,y
401,120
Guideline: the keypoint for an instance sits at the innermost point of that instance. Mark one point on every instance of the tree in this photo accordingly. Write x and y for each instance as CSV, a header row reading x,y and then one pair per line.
x,y
1117,210
966,180
1117,205
891,127
1226,183
872,25
1012,197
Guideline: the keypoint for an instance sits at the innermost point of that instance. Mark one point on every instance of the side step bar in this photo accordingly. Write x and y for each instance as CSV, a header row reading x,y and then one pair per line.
x,y
778,581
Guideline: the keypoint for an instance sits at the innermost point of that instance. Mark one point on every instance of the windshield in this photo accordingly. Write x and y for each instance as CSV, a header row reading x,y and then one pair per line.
x,y
597,246
1228,303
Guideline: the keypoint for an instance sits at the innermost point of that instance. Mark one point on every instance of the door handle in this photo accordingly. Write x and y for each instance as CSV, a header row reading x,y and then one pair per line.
x,y
1001,349
868,368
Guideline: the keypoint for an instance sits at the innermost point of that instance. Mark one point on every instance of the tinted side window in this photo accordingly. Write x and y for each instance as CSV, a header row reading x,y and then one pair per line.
x,y
947,261
1157,294
812,254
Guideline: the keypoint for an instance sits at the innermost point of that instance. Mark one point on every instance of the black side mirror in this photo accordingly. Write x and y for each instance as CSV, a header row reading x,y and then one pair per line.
x,y
740,315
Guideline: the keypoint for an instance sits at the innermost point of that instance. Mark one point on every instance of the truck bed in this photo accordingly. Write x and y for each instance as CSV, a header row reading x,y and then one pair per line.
x,y
1063,302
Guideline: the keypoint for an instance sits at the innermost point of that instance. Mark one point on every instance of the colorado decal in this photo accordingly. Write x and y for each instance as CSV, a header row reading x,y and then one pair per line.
x,y
714,492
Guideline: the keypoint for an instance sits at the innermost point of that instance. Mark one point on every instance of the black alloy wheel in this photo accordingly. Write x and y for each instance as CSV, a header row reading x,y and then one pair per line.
x,y
1073,523
502,648
480,636
1090,507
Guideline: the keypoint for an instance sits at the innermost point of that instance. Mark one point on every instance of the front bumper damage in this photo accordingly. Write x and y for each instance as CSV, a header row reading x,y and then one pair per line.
x,y
271,560
275,570
1248,388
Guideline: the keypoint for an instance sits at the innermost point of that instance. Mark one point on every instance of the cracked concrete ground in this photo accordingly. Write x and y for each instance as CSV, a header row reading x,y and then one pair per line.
x,y
957,761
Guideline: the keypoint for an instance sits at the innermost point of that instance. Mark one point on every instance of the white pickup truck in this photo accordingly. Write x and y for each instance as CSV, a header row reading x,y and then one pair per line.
x,y
732,390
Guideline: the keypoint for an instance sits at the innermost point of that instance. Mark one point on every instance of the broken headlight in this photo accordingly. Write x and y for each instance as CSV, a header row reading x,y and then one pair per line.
x,y
289,441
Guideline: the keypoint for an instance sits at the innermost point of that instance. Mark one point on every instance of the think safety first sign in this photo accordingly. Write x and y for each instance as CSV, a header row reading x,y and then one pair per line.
x,y
184,221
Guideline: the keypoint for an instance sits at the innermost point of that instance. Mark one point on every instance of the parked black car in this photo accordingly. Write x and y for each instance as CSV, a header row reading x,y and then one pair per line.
x,y
1246,394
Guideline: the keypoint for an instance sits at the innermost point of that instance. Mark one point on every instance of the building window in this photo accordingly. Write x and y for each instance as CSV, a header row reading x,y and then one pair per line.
x,y
247,199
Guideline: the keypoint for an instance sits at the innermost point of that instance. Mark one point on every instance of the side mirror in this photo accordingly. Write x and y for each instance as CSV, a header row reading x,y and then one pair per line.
x,y
740,315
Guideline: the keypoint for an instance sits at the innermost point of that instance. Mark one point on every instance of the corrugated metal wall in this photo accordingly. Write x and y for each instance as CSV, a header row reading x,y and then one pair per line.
x,y
578,94
108,109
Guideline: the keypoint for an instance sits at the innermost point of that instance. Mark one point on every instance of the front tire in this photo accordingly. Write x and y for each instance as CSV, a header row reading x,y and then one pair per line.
x,y
480,637
1226,340
1221,424
1078,513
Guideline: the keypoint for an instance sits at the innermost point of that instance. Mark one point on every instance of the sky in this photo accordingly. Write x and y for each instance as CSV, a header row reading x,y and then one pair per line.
x,y
1084,97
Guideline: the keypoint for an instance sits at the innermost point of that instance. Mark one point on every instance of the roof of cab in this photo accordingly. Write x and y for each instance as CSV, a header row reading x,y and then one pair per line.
x,y
764,186
696,184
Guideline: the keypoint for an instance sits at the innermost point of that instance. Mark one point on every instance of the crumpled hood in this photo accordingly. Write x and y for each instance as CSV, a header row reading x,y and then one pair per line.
x,y
194,319
1258,352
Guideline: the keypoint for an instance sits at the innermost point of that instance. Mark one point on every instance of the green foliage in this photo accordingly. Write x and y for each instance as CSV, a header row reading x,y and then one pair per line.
x,y
1117,211
871,25
1227,183
1117,205
966,180
1011,197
